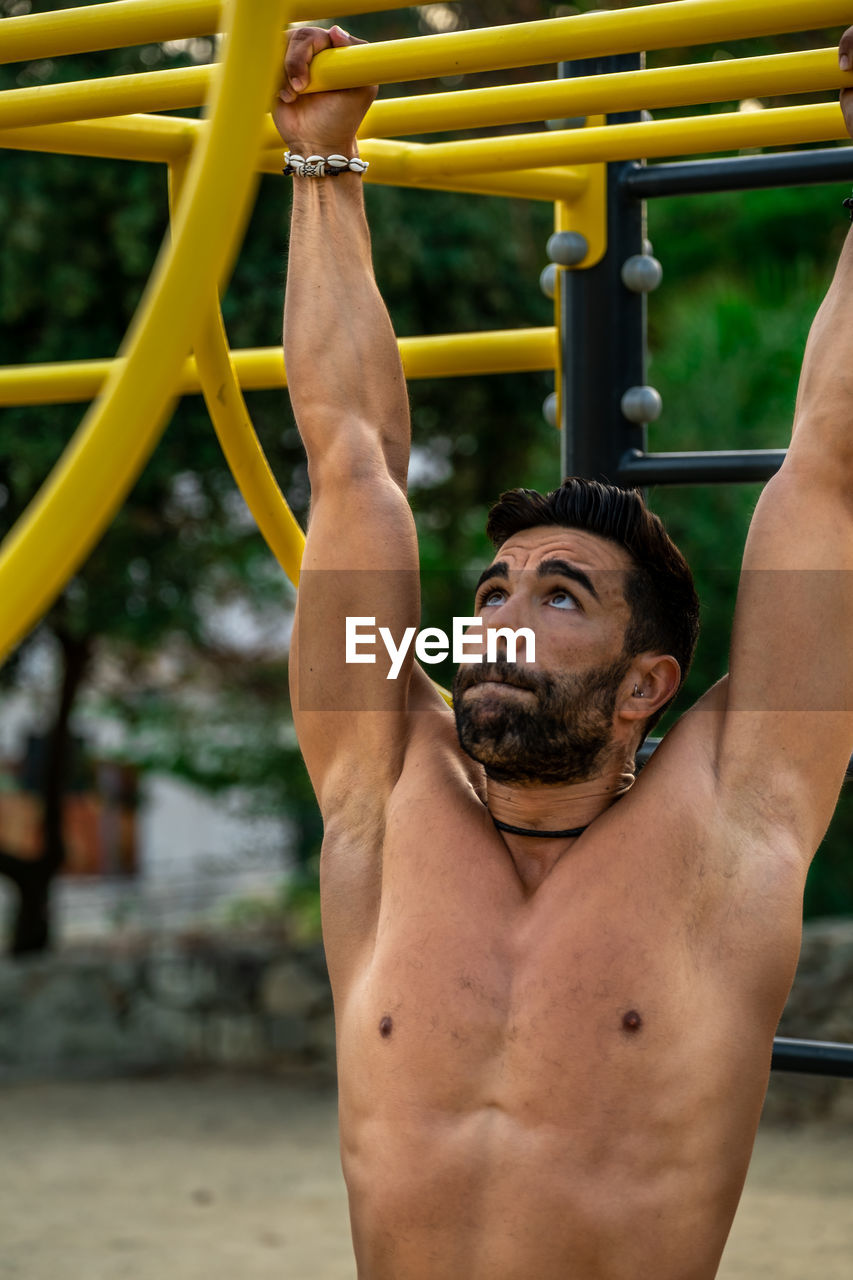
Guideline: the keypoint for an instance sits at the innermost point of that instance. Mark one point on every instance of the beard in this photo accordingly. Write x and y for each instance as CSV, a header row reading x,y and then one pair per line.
x,y
561,734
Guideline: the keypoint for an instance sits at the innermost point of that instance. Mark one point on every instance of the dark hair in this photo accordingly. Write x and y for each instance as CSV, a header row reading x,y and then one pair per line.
x,y
659,588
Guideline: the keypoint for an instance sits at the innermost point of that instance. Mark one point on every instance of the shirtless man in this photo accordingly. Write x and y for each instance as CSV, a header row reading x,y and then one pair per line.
x,y
552,1051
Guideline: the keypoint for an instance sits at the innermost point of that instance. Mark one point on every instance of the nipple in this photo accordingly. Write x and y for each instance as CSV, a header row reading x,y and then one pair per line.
x,y
386,1026
631,1021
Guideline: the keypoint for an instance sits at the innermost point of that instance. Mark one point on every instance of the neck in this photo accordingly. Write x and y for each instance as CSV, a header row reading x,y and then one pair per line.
x,y
556,808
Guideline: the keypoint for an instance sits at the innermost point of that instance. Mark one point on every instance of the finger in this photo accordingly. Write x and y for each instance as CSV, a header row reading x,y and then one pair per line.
x,y
845,50
302,45
340,38
285,89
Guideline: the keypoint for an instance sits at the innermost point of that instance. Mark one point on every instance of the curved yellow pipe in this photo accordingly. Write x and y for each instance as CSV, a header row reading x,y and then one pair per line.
x,y
240,444
111,446
233,425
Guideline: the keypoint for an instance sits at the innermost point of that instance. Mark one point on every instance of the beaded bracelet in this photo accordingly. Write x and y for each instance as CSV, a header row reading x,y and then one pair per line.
x,y
321,166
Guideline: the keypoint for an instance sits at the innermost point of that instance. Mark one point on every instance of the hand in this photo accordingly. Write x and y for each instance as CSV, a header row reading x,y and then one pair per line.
x,y
845,58
318,123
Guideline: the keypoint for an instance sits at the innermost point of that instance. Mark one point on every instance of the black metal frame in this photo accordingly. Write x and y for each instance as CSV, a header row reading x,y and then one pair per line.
x,y
604,352
739,173
813,1057
636,469
603,326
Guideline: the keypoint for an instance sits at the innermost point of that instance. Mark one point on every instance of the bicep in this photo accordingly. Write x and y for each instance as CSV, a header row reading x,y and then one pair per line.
x,y
786,728
361,562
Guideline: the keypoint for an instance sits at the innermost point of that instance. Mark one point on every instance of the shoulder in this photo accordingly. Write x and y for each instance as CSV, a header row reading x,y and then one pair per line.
x,y
743,828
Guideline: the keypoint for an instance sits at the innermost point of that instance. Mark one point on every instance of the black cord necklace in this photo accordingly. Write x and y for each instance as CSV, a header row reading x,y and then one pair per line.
x,y
542,835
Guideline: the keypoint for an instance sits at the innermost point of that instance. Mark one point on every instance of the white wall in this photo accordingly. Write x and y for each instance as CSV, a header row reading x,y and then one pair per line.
x,y
197,853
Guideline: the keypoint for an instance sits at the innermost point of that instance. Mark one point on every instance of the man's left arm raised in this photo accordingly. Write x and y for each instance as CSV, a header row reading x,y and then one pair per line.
x,y
786,725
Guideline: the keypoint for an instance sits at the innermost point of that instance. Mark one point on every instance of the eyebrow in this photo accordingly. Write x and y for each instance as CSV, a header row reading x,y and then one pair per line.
x,y
544,570
500,569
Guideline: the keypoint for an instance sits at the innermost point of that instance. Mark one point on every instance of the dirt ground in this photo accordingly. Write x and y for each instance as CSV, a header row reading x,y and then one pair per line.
x,y
230,1178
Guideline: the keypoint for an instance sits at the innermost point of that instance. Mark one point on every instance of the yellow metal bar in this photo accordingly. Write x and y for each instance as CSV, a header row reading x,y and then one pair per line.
x,y
61,383
126,22
105,26
233,426
111,96
723,81
159,139
675,24
527,184
725,131
485,166
165,139
459,354
262,368
389,163
92,478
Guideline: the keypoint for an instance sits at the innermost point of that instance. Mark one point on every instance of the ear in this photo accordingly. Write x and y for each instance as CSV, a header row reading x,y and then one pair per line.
x,y
651,681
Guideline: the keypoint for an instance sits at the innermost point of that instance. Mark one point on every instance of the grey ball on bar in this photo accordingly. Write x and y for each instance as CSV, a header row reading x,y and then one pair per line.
x,y
642,404
567,248
642,273
548,280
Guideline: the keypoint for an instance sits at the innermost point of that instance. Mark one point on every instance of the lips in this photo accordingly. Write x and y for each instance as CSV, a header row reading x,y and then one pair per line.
x,y
491,677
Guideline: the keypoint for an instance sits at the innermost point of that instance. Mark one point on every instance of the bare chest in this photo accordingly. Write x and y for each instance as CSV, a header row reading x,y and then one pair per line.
x,y
474,999
617,980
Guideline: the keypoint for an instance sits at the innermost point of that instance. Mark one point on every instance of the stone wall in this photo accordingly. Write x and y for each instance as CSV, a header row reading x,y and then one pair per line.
x,y
254,1003
189,1002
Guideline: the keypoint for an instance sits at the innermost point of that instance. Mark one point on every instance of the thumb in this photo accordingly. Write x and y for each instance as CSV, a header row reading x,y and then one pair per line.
x,y
845,50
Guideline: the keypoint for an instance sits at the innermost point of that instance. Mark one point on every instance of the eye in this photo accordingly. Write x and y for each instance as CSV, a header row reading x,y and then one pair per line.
x,y
562,600
492,597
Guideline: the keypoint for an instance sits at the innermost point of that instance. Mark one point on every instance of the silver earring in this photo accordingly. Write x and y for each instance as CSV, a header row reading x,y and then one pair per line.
x,y
638,693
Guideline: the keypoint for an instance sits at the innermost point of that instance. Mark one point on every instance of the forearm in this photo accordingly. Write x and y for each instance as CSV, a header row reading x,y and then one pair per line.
x,y
823,420
343,366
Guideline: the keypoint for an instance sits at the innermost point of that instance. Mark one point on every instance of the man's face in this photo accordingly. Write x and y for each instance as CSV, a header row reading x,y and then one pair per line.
x,y
550,721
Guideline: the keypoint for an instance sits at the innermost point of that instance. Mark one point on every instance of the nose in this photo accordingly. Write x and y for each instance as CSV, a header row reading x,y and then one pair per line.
x,y
498,645
514,616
